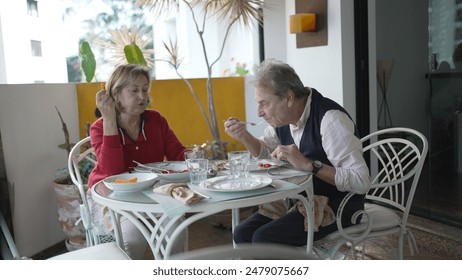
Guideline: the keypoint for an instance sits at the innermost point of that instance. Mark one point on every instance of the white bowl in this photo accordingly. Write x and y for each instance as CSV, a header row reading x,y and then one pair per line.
x,y
144,181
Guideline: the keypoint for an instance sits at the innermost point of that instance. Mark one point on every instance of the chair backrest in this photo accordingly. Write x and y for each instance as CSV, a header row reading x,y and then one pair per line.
x,y
397,156
81,160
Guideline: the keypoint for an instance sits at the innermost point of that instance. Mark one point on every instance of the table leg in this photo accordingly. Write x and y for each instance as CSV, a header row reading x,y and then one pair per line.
x,y
115,218
235,220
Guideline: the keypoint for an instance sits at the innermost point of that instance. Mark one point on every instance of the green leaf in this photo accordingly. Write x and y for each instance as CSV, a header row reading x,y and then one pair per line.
x,y
134,55
88,61
240,71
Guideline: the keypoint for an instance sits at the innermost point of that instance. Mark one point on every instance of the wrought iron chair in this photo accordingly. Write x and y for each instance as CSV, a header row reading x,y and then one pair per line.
x,y
9,251
107,251
82,158
397,156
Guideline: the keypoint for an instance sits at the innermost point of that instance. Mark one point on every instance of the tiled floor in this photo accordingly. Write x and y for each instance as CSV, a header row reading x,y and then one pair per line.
x,y
435,241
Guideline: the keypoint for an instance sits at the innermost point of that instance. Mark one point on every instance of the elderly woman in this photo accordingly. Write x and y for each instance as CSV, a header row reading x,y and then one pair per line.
x,y
127,131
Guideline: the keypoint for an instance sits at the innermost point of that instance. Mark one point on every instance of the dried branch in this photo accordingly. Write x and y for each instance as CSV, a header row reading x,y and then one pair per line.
x,y
67,143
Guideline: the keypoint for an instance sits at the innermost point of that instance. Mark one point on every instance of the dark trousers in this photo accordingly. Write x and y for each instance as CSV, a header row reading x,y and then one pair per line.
x,y
288,230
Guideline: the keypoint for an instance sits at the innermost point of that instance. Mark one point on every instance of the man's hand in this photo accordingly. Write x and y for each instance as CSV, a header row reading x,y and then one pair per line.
x,y
235,128
291,154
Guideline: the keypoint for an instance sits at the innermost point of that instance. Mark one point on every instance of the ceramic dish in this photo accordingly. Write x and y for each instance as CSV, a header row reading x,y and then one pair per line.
x,y
143,182
178,169
229,184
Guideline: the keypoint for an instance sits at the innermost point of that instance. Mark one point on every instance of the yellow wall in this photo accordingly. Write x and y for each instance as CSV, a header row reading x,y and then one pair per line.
x,y
173,99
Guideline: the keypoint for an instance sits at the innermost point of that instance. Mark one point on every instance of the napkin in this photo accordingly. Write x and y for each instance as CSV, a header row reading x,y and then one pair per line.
x,y
323,214
179,191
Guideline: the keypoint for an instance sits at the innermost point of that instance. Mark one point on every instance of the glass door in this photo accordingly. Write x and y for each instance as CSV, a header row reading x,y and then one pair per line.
x,y
445,109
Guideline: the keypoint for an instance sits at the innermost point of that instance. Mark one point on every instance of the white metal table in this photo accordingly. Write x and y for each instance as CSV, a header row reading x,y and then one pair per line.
x,y
156,215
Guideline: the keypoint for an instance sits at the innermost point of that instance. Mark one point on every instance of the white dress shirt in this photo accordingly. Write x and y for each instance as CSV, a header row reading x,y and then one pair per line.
x,y
342,147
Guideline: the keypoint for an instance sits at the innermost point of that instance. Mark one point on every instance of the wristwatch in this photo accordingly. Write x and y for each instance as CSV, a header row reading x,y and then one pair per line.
x,y
316,166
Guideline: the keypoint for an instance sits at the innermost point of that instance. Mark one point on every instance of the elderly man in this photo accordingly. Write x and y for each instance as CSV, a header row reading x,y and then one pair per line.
x,y
312,133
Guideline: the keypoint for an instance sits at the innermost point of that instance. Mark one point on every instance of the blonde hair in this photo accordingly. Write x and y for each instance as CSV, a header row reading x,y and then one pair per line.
x,y
125,75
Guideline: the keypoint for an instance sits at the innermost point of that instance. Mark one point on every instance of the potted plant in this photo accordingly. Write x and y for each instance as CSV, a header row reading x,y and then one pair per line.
x,y
231,13
68,199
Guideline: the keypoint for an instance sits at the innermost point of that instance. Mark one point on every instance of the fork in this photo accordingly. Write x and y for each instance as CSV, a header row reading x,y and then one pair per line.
x,y
253,124
162,170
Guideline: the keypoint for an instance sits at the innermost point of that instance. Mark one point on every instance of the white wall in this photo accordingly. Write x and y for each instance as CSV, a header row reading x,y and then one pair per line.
x,y
2,52
31,132
330,68
275,30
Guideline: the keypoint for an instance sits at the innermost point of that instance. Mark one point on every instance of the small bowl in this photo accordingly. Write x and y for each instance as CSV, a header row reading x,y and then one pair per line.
x,y
144,181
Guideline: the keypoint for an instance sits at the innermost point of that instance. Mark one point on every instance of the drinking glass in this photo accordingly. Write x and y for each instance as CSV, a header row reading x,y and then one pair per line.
x,y
239,162
197,168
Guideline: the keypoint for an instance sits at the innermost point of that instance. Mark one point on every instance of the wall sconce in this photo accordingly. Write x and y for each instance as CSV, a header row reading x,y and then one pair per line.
x,y
303,23
309,24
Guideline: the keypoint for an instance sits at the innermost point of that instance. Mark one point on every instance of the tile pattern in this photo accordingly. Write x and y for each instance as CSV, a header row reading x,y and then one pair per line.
x,y
435,241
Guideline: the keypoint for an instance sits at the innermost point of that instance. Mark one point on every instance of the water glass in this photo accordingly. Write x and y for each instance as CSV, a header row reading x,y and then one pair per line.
x,y
197,168
239,162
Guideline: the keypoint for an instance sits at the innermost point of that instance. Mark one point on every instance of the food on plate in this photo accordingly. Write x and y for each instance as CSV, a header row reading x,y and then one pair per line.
x,y
122,181
264,165
219,165
171,171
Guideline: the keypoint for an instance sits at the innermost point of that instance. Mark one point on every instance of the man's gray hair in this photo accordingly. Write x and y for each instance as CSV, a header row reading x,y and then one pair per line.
x,y
279,77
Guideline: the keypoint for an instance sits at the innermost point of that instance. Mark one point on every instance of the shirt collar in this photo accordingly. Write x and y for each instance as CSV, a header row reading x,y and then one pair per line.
x,y
122,131
304,117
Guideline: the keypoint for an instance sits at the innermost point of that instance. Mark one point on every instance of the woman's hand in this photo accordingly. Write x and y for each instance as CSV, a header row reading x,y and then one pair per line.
x,y
105,104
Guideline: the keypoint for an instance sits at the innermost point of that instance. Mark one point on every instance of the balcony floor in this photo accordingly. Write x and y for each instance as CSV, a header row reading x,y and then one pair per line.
x,y
435,241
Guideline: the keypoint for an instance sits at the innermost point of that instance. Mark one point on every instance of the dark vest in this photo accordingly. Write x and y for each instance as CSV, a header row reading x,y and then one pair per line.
x,y
311,147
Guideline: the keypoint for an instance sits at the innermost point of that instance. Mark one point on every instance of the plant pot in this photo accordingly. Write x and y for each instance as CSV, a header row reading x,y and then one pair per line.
x,y
68,201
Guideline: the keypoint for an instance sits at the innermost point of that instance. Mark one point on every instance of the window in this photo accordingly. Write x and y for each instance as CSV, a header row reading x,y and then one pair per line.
x,y
36,47
32,8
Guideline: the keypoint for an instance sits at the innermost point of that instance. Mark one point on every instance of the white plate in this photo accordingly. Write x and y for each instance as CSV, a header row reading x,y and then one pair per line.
x,y
256,165
229,184
144,181
178,167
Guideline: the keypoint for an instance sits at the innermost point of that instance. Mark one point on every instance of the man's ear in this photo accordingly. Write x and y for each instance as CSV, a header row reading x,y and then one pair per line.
x,y
290,98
